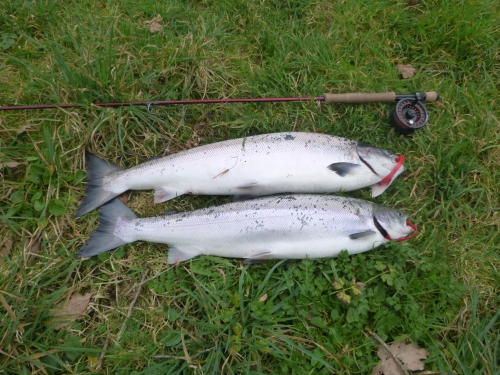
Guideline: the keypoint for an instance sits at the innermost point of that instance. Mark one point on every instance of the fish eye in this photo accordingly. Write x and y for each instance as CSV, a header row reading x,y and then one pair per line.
x,y
400,214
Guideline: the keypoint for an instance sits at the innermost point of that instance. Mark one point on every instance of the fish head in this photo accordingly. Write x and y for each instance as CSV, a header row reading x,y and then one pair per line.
x,y
391,222
382,163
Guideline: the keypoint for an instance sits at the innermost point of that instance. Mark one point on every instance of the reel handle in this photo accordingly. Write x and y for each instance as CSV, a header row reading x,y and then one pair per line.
x,y
431,96
379,97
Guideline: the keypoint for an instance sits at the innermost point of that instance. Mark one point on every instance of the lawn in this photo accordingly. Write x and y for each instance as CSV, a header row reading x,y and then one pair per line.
x,y
440,290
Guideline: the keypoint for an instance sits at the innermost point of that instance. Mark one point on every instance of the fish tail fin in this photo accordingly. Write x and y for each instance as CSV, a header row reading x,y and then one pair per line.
x,y
95,195
112,230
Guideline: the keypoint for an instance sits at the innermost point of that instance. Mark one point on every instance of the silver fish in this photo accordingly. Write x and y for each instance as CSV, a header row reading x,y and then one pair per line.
x,y
249,167
276,227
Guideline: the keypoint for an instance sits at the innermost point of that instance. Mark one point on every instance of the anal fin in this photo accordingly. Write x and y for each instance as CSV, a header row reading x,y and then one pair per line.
x,y
166,193
181,253
259,258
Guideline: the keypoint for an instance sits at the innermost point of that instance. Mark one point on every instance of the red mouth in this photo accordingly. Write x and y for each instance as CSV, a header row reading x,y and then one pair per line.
x,y
412,226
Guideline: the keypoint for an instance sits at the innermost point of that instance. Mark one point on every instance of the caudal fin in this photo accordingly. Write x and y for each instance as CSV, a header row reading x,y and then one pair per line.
x,y
95,195
105,238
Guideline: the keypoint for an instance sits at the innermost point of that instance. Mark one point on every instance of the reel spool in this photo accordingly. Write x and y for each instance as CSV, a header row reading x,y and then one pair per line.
x,y
408,116
410,113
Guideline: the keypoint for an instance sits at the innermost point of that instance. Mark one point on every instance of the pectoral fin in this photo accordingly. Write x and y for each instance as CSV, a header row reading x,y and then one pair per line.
x,y
181,253
362,235
166,193
343,169
378,189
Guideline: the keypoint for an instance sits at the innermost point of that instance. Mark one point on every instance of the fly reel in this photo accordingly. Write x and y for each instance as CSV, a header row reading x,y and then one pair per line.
x,y
410,113
408,116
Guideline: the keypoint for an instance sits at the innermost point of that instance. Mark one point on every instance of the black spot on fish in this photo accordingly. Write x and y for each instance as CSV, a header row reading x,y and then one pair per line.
x,y
289,137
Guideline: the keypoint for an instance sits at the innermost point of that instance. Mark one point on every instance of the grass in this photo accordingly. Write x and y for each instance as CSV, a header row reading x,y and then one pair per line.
x,y
208,315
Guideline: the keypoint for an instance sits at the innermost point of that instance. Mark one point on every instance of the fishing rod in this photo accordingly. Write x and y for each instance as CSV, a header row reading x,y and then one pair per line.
x,y
408,115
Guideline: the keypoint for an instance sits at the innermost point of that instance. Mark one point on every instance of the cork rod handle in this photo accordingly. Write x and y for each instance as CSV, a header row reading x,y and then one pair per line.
x,y
359,97
380,97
